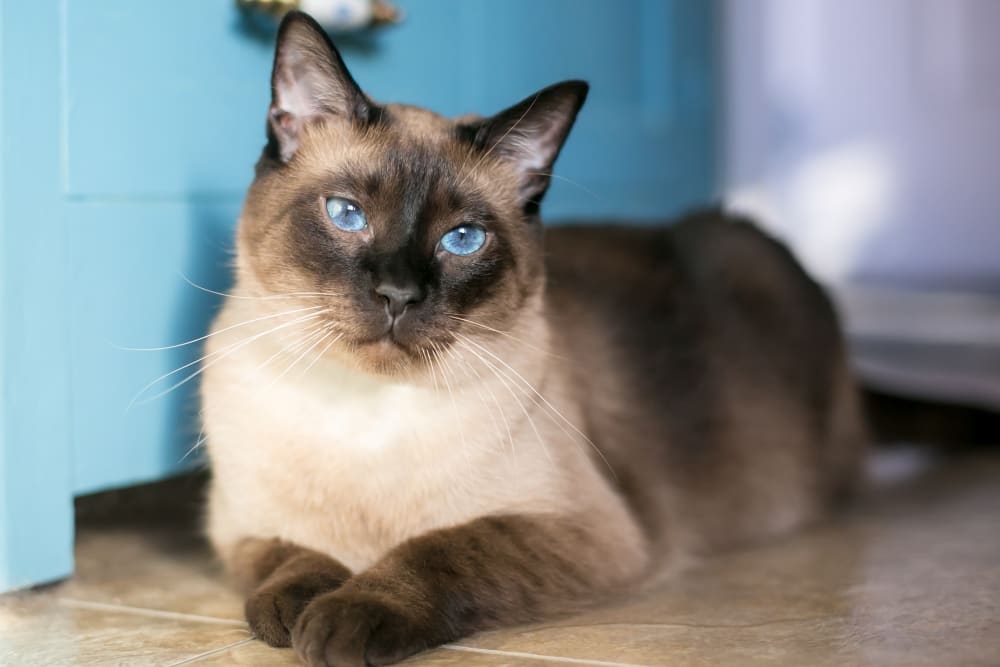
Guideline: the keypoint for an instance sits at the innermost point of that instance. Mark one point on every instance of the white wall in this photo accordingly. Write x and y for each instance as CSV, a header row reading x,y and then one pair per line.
x,y
868,133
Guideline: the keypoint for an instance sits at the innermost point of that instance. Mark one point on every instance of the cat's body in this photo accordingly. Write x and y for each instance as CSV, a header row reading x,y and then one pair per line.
x,y
418,433
655,342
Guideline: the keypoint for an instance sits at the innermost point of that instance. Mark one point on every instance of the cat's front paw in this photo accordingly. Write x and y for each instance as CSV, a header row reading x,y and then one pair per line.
x,y
350,629
271,616
273,609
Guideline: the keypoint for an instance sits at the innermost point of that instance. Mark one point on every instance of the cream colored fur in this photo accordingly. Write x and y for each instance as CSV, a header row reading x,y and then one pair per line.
x,y
351,464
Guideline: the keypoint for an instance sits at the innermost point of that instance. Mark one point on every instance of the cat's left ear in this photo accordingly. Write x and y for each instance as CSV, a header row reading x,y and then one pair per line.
x,y
530,135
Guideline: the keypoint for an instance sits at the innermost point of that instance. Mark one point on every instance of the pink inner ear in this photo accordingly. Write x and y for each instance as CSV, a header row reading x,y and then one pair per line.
x,y
284,119
286,127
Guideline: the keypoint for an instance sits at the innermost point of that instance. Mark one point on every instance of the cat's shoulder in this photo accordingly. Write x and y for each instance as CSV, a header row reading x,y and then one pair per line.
x,y
715,236
702,240
709,254
733,253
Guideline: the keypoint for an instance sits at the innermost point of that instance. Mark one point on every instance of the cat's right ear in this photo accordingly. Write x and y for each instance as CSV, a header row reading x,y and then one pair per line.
x,y
309,81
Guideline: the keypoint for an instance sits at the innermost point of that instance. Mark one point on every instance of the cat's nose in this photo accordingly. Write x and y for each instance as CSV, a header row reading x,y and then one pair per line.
x,y
398,297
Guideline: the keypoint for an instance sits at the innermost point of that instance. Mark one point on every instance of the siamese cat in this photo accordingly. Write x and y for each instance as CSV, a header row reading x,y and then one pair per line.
x,y
427,415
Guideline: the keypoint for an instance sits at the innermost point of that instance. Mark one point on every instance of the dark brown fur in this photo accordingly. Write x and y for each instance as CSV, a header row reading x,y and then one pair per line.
x,y
430,590
702,316
280,579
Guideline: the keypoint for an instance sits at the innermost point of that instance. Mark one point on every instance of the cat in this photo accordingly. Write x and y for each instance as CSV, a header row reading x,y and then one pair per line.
x,y
427,416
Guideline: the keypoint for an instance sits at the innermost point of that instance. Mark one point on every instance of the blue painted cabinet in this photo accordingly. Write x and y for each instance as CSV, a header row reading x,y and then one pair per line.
x,y
128,132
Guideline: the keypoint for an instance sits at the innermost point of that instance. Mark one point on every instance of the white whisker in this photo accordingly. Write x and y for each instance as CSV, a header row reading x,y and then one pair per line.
x,y
267,297
300,341
503,380
216,333
505,333
316,338
322,353
498,142
430,365
198,443
227,352
181,368
454,410
570,181
544,400
481,385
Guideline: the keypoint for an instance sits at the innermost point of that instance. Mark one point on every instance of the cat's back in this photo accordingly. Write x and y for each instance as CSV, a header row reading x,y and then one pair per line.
x,y
708,297
702,342
704,250
707,275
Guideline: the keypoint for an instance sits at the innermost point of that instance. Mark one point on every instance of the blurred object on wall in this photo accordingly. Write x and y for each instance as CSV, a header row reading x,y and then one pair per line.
x,y
867,136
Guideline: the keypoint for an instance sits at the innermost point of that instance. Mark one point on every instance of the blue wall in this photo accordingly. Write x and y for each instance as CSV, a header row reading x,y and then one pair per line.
x,y
36,519
127,144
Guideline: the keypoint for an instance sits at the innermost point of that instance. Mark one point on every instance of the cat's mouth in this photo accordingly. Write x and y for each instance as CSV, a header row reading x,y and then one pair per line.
x,y
392,339
387,341
394,343
399,348
387,355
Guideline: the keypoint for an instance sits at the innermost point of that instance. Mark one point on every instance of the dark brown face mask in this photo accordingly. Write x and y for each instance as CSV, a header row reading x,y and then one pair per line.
x,y
409,218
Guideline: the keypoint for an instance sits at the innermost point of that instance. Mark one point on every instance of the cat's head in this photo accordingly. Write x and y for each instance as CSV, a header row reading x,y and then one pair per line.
x,y
399,224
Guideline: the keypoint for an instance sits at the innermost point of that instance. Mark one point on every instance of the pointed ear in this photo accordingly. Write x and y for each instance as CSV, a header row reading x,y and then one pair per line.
x,y
530,135
309,81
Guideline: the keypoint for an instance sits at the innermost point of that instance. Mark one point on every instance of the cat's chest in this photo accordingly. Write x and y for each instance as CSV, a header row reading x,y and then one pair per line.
x,y
332,415
331,423
348,466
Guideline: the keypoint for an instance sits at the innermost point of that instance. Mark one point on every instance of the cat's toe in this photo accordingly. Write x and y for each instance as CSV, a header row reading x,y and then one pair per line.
x,y
395,639
338,630
273,609
330,633
272,613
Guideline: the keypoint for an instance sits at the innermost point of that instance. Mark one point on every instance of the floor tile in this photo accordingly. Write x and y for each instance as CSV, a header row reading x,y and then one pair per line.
x,y
37,630
168,568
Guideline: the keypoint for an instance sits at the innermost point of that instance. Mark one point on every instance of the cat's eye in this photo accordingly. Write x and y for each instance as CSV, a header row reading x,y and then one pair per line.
x,y
345,214
464,240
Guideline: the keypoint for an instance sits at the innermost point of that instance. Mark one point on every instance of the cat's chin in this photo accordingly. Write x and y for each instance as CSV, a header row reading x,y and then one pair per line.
x,y
385,356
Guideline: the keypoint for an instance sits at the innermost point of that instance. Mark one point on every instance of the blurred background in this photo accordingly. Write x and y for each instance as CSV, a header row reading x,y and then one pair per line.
x,y
863,133
866,135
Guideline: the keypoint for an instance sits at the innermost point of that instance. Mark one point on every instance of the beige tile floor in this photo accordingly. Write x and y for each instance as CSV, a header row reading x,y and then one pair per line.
x,y
912,577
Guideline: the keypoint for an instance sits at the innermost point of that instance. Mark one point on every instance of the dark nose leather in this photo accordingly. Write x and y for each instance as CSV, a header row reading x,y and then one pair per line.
x,y
398,297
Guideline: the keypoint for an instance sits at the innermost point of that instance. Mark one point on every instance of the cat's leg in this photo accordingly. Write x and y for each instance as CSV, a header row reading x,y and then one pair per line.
x,y
282,578
435,588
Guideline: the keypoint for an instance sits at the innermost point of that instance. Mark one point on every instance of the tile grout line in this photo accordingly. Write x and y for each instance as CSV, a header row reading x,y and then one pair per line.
x,y
143,611
537,656
209,654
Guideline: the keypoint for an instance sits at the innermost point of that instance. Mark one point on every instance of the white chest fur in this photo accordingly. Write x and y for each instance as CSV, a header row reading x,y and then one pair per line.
x,y
352,465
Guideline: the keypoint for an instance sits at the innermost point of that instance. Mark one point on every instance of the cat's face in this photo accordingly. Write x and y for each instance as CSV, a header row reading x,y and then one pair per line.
x,y
400,226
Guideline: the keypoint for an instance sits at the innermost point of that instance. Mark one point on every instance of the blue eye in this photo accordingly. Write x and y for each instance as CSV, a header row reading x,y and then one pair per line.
x,y
345,214
464,240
